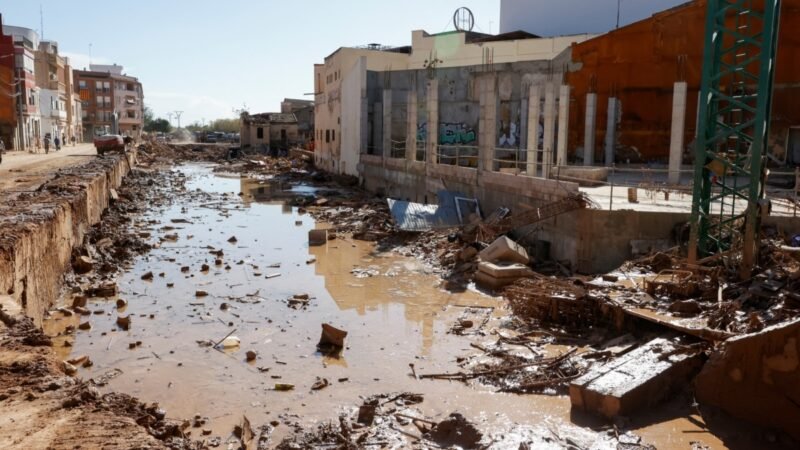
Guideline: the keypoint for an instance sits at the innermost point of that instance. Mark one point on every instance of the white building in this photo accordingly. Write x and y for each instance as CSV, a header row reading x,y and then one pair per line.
x,y
562,17
54,113
342,113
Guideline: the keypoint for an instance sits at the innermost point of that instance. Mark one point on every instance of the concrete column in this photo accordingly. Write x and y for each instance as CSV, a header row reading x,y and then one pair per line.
x,y
488,122
563,125
411,124
611,131
534,111
387,123
677,133
433,120
549,128
589,130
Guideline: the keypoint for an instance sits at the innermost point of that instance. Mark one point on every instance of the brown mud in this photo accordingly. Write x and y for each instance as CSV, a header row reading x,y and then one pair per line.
x,y
195,257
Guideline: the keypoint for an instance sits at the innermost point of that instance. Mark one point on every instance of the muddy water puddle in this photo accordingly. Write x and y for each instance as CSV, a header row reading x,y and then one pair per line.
x,y
396,314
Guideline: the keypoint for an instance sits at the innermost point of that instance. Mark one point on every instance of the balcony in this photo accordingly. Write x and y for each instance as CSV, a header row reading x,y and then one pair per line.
x,y
58,114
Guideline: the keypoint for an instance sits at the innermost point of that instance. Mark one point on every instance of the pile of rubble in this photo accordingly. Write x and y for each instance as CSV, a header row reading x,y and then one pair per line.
x,y
46,395
117,239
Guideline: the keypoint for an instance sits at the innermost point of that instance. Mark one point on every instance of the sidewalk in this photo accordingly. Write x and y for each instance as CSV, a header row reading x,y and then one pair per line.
x,y
23,171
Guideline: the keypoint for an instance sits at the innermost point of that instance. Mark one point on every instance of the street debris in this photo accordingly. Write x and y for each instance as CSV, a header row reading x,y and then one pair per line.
x,y
332,338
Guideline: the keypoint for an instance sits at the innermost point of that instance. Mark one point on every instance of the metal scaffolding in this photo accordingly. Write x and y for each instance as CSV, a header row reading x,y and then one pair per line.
x,y
736,93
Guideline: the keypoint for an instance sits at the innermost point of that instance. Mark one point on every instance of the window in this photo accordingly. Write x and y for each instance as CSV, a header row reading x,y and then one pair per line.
x,y
327,135
260,133
333,135
82,84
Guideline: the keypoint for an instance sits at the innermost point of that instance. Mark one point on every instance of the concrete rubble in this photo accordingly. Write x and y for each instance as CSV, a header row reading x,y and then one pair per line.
x,y
615,344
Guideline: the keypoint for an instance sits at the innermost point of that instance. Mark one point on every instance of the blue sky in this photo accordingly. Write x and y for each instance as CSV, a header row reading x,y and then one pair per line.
x,y
207,57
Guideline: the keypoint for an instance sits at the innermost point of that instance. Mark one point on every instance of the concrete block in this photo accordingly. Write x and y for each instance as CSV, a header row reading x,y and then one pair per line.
x,y
485,280
636,380
755,377
504,270
504,249
582,173
317,237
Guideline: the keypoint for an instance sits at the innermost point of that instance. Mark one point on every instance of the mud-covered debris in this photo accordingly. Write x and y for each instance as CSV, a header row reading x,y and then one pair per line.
x,y
79,301
233,240
69,369
147,276
82,264
200,293
321,383
455,431
284,387
106,289
366,414
121,303
251,355
85,326
317,237
124,322
331,337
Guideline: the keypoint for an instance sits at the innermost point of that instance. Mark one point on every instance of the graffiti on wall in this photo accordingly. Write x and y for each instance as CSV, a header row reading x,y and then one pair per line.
x,y
456,133
422,132
508,132
449,133
509,135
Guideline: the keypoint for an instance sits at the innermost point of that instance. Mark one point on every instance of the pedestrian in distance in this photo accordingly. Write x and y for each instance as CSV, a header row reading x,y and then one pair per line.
x,y
46,145
57,143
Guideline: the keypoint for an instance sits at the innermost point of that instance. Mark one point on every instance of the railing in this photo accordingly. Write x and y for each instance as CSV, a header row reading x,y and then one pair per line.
x,y
510,158
422,151
398,149
457,155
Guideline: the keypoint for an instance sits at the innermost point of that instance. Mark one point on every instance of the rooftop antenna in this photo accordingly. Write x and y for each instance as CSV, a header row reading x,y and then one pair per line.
x,y
463,19
619,2
41,20
90,55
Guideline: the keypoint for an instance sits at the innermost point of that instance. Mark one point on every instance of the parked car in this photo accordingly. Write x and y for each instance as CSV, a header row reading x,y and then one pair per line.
x,y
109,142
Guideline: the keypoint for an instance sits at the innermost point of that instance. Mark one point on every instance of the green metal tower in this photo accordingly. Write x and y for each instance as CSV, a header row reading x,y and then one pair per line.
x,y
736,93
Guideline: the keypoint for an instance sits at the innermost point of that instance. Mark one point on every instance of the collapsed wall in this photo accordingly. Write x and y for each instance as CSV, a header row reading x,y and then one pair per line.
x,y
38,230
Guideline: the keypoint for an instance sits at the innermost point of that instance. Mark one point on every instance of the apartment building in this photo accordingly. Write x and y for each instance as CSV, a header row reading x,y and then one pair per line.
x,y
51,79
8,102
111,101
24,44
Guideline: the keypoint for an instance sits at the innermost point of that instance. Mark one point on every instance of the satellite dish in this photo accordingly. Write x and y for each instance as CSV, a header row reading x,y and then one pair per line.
x,y
463,19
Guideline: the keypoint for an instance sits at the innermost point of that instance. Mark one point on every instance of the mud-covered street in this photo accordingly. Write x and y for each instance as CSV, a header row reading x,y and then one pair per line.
x,y
200,295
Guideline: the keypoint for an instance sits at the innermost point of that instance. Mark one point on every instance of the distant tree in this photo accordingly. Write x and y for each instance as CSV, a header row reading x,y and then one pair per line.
x,y
195,126
159,124
148,115
225,125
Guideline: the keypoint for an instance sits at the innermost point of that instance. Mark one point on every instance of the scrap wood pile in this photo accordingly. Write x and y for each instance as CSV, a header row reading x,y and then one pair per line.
x,y
388,421
152,151
367,219
714,293
552,300
521,374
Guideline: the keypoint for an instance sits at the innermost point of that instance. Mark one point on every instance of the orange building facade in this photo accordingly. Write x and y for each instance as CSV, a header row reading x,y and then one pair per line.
x,y
639,64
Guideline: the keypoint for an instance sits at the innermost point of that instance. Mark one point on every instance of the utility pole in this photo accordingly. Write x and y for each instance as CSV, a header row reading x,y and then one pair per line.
x,y
178,116
41,20
169,118
619,3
